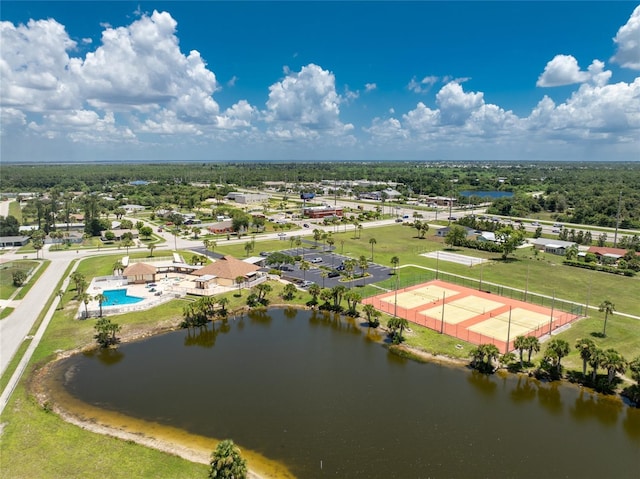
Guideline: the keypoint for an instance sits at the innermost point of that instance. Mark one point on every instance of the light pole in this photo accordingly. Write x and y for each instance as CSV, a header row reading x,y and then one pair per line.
x,y
395,301
442,319
553,301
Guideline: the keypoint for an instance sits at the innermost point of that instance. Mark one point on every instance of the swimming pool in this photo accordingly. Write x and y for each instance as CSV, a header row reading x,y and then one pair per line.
x,y
118,297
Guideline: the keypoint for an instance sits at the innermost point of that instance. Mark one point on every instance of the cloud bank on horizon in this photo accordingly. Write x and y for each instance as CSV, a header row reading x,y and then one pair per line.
x,y
137,95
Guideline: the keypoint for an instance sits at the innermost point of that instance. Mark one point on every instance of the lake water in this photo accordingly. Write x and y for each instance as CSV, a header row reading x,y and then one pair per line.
x,y
322,396
487,194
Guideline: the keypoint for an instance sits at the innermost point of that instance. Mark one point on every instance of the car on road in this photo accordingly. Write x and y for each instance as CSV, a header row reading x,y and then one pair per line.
x,y
398,220
535,223
452,218
317,260
282,234
306,225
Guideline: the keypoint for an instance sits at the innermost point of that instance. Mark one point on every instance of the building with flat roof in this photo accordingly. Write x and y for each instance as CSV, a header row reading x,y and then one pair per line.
x,y
321,211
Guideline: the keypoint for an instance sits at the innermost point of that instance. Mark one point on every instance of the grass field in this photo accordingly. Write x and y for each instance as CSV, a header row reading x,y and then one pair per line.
x,y
543,274
6,275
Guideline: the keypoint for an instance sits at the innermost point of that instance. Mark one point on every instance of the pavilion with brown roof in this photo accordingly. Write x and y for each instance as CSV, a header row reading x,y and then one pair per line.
x,y
226,270
140,273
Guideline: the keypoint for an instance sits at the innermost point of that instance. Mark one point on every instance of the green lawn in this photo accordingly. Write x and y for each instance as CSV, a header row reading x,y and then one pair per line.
x,y
6,275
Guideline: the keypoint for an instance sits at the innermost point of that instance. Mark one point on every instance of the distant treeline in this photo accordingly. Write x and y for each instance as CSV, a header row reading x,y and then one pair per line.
x,y
574,192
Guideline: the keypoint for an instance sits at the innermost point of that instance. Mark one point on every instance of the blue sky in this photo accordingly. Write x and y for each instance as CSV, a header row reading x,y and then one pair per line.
x,y
229,81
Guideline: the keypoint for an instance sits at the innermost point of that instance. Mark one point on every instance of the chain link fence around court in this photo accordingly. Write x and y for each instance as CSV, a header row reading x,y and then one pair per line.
x,y
572,309
463,333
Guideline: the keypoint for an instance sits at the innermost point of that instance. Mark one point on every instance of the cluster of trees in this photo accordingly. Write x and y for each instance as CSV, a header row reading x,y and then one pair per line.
x,y
507,240
9,226
106,332
198,313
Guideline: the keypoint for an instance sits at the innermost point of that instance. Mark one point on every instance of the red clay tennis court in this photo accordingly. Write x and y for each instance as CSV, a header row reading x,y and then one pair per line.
x,y
475,316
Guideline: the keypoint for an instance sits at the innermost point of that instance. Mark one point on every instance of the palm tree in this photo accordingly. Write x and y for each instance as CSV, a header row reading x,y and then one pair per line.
x,y
314,290
397,325
151,247
533,345
263,289
349,267
78,278
298,243
304,267
128,243
596,358
483,356
372,242
85,298
395,261
100,298
353,298
556,350
60,295
372,315
363,263
359,230
337,292
289,291
223,302
520,344
117,266
226,462
614,363
239,280
608,308
317,234
586,348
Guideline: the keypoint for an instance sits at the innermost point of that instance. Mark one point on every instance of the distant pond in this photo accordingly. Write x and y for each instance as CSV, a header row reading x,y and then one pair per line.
x,y
323,396
487,194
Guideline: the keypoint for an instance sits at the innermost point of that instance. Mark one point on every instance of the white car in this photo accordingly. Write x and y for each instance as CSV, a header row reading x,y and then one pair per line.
x,y
317,260
306,284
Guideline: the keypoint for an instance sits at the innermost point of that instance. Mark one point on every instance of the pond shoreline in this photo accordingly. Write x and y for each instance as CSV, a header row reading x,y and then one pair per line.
x,y
41,377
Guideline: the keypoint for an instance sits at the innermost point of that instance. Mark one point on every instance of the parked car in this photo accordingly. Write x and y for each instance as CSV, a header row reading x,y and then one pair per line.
x,y
398,220
333,274
317,260
264,253
306,283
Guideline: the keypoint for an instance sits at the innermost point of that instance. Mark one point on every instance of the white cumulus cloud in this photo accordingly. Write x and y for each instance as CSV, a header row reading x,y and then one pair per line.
x,y
304,103
628,41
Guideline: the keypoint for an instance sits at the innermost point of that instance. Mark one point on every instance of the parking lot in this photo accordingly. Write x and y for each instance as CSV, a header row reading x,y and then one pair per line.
x,y
329,262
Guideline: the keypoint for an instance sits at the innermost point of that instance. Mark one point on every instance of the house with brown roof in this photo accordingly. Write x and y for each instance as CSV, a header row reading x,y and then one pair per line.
x,y
225,271
608,255
140,273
